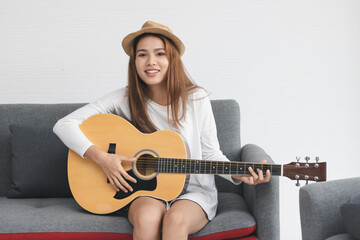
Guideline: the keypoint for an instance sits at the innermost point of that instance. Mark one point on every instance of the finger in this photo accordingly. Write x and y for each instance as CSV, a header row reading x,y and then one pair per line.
x,y
268,175
251,181
113,184
127,176
253,174
120,184
261,175
125,183
263,161
129,159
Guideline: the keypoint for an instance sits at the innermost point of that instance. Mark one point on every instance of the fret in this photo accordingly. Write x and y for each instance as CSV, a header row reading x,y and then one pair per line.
x,y
240,168
188,169
208,168
197,166
181,166
202,166
167,165
226,167
185,166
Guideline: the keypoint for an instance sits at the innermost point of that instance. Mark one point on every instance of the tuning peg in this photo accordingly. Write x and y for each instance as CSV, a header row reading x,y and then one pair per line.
x,y
297,159
307,179
307,159
317,162
297,177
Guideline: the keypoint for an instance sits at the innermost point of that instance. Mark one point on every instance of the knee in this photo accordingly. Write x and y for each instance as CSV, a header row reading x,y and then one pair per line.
x,y
147,219
174,219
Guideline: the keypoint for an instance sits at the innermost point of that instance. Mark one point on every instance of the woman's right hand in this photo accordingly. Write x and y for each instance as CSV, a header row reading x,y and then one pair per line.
x,y
112,167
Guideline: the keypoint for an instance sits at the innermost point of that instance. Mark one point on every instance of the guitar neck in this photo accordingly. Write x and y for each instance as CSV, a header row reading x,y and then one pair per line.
x,y
188,166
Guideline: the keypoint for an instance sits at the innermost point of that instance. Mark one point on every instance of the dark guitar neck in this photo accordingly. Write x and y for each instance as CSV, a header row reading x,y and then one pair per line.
x,y
173,165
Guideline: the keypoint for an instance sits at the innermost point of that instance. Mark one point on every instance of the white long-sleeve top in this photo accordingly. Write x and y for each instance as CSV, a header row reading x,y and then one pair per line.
x,y
198,132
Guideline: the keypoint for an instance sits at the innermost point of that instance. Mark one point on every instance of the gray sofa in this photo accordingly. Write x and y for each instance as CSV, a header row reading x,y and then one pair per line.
x,y
36,203
328,210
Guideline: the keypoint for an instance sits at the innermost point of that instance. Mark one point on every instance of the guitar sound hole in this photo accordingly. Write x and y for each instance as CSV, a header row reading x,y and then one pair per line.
x,y
146,164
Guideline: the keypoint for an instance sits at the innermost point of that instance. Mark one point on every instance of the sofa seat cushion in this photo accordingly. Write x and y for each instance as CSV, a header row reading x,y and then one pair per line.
x,y
59,217
343,236
55,215
232,220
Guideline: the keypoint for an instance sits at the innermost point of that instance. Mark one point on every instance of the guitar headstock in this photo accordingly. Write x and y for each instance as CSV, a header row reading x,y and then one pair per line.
x,y
305,170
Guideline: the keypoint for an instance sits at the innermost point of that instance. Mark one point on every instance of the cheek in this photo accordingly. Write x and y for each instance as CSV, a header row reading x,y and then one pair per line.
x,y
165,64
138,66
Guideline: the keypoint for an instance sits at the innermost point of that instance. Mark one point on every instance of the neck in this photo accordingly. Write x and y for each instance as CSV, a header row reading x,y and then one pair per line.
x,y
158,94
173,165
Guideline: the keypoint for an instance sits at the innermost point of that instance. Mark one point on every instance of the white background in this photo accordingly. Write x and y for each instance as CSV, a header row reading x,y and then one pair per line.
x,y
292,65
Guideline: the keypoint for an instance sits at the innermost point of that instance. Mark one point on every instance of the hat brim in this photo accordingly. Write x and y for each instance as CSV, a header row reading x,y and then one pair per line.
x,y
127,43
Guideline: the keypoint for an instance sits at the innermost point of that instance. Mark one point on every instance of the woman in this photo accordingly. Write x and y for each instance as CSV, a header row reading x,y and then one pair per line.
x,y
159,96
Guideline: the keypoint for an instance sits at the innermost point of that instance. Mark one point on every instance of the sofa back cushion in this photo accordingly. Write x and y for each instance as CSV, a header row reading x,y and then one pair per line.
x,y
35,115
38,163
27,118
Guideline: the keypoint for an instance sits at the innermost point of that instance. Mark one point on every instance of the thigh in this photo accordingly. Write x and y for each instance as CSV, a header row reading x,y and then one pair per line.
x,y
146,206
193,214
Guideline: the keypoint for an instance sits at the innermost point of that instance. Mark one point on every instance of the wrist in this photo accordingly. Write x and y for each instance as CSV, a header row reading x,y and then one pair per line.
x,y
95,154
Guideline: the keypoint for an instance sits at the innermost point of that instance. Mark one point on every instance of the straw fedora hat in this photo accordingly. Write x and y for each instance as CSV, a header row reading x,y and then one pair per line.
x,y
152,27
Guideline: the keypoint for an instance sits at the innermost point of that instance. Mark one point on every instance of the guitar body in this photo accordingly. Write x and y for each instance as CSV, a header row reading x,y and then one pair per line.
x,y
88,182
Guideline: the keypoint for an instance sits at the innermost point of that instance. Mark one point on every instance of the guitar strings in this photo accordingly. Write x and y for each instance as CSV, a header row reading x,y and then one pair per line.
x,y
199,166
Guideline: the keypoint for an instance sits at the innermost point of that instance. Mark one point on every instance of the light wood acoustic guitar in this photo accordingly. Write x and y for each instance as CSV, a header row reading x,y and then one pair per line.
x,y
160,167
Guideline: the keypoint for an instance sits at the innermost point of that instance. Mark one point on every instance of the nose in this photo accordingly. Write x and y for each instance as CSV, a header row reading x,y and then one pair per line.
x,y
151,60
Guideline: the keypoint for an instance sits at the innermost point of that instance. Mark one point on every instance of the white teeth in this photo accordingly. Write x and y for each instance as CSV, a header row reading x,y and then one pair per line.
x,y
152,71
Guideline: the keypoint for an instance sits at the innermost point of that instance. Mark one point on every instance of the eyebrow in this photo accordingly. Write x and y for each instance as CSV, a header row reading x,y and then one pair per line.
x,y
155,50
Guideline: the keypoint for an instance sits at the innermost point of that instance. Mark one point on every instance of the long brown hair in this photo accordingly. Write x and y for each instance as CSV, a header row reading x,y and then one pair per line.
x,y
178,86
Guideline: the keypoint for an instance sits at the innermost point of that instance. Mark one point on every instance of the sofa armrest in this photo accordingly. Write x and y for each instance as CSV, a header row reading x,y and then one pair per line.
x,y
320,207
262,199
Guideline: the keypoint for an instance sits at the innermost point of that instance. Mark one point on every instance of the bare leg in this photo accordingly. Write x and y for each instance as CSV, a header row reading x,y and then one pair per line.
x,y
146,214
183,218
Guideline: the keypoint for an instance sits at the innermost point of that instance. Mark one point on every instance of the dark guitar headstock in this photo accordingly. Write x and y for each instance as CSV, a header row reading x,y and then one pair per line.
x,y
305,170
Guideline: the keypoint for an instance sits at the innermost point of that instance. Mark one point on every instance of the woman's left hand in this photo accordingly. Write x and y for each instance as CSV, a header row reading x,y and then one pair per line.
x,y
254,178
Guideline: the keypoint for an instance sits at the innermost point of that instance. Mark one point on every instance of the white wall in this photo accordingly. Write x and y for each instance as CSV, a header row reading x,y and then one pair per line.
x,y
293,65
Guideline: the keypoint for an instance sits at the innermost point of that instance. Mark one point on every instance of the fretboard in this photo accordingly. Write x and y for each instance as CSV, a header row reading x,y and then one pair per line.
x,y
174,165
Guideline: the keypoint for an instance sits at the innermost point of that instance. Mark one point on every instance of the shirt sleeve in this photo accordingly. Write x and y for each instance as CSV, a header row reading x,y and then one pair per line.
x,y
209,141
68,128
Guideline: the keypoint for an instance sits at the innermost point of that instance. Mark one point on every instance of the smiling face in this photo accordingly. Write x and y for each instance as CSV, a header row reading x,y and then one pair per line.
x,y
151,61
